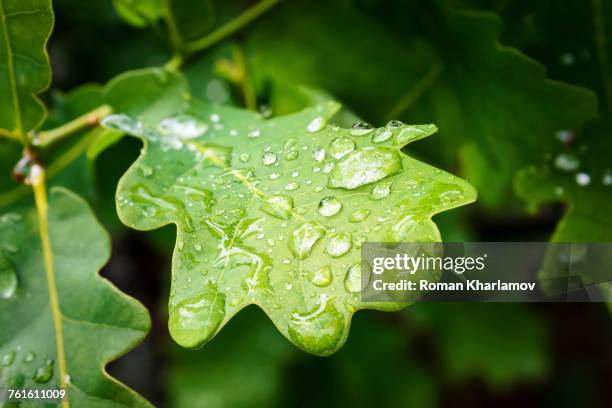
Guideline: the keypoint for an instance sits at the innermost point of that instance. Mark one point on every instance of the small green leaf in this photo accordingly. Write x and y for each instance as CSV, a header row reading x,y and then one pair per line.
x,y
24,72
261,206
98,322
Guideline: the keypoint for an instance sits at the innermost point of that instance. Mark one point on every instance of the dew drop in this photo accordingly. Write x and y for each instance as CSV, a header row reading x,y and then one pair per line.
x,y
279,206
8,278
339,244
381,190
352,280
304,238
244,157
321,277
292,185
382,135
292,155
317,124
329,206
43,374
145,170
393,124
567,162
182,126
8,359
318,154
268,158
361,129
341,146
29,357
254,133
583,179
360,215
123,123
195,320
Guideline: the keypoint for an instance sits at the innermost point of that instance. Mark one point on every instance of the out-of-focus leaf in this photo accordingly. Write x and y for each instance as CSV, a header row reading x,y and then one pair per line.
x,y
194,18
140,13
499,343
24,71
70,105
98,323
243,367
240,189
437,65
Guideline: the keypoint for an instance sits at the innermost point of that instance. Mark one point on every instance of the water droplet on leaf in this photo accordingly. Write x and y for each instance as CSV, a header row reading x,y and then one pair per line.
x,y
317,124
8,278
195,320
360,215
279,206
361,129
304,237
365,166
339,244
318,331
321,277
329,206
341,146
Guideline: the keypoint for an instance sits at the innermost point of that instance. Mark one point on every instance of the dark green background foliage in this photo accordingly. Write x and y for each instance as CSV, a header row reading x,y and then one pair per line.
x,y
521,92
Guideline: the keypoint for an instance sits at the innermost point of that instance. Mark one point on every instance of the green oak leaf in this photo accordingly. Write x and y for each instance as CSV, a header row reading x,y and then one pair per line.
x,y
274,212
98,322
24,71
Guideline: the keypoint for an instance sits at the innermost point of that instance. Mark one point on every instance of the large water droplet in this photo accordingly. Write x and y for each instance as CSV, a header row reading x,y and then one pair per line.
x,y
268,158
183,126
321,277
365,166
317,124
279,206
329,206
352,280
195,320
381,190
341,146
361,129
45,373
339,244
360,215
382,135
8,278
304,237
318,331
